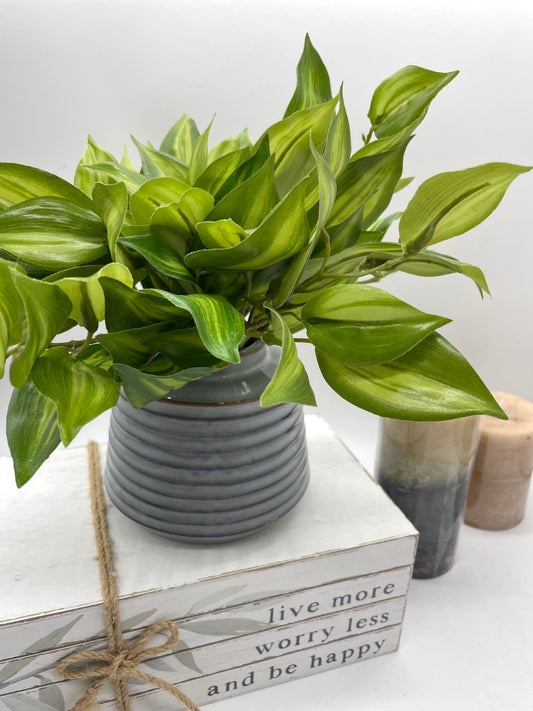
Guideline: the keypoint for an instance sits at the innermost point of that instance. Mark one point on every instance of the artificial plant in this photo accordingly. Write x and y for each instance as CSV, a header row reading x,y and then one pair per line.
x,y
172,269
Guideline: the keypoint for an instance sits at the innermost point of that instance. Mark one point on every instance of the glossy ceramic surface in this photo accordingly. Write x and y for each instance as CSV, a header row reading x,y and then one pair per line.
x,y
208,463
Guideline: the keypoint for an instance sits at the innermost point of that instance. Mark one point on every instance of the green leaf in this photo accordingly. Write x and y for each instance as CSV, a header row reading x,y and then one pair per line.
x,y
383,145
260,154
222,233
362,325
312,81
403,98
368,181
327,191
232,285
11,312
352,258
374,250
290,382
108,172
403,183
181,138
370,237
219,324
111,203
32,430
157,164
216,173
86,294
352,261
52,233
383,223
127,308
153,194
19,183
45,310
289,141
283,233
450,204
183,347
338,142
85,178
175,224
347,233
126,162
251,201
229,145
142,388
135,347
431,264
433,381
95,354
81,392
199,155
161,257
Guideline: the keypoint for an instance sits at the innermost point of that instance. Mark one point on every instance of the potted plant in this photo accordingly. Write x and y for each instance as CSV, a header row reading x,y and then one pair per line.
x,y
203,252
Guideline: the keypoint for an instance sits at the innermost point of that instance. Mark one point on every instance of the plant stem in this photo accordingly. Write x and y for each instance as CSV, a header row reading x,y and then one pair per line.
x,y
86,343
253,334
73,345
378,273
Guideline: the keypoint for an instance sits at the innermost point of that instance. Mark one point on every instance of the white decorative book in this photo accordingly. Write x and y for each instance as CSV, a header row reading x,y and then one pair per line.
x,y
324,586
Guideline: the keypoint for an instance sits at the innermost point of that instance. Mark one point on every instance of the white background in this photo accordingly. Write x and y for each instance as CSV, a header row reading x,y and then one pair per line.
x,y
115,67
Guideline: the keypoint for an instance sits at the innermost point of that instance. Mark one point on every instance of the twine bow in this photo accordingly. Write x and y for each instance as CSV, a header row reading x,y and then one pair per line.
x,y
118,667
118,663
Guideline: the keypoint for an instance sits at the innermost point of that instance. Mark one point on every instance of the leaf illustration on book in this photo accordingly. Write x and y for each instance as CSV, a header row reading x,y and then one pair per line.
x,y
136,620
22,702
50,641
259,604
184,655
158,664
223,627
51,694
217,596
136,682
128,624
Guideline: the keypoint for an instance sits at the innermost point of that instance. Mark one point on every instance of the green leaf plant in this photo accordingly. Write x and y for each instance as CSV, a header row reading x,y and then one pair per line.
x,y
172,269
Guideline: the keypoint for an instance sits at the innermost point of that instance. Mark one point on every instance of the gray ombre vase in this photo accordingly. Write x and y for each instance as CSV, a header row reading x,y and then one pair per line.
x,y
208,464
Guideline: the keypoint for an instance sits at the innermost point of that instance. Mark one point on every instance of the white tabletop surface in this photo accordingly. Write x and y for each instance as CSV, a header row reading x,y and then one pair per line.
x,y
467,641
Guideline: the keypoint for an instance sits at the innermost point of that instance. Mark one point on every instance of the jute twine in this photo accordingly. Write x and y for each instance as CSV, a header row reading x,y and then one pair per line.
x,y
118,663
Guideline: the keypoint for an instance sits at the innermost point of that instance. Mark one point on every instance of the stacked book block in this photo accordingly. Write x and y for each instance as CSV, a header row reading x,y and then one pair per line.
x,y
325,586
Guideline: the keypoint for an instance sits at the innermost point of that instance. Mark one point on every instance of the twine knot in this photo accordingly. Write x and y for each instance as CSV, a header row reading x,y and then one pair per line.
x,y
121,665
118,663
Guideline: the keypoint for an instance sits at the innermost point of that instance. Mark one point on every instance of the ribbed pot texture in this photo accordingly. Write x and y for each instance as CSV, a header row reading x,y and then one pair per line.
x,y
208,464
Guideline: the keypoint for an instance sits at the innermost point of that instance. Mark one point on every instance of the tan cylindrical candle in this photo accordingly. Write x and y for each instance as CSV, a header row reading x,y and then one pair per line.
x,y
502,469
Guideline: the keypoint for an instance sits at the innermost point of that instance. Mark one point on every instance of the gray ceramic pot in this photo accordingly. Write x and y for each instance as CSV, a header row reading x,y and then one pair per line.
x,y
208,464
